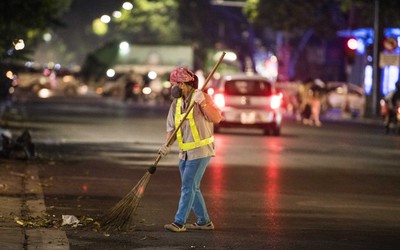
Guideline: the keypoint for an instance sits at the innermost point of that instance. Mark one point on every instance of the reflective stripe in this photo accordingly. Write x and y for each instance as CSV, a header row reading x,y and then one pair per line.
x,y
185,146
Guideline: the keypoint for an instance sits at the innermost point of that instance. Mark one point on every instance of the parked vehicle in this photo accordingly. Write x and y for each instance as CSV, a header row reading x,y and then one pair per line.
x,y
348,97
38,81
248,101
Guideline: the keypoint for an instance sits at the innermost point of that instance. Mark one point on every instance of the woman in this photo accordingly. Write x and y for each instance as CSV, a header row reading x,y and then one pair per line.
x,y
196,143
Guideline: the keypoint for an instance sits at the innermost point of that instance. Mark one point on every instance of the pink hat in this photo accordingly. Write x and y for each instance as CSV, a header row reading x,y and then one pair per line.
x,y
181,74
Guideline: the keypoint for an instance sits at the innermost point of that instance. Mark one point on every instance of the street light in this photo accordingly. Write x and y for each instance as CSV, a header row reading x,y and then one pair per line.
x,y
124,48
105,18
117,14
19,44
127,6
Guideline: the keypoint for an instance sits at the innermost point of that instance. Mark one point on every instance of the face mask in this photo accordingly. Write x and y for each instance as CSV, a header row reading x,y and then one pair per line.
x,y
176,92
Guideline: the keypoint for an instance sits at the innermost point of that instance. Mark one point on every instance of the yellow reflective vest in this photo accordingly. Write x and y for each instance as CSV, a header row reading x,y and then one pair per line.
x,y
185,146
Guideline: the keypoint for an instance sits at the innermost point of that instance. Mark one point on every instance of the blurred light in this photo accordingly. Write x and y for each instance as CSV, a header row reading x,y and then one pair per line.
x,y
368,79
146,90
390,77
229,56
99,90
110,72
124,48
117,14
136,89
44,93
127,6
269,69
152,75
99,28
105,18
352,44
340,90
10,74
167,84
19,44
46,72
276,101
273,59
210,91
28,64
219,100
83,90
237,4
360,46
43,80
68,78
47,37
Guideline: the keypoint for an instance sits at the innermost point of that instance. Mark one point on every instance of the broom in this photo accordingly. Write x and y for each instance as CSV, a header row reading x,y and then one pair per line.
x,y
120,217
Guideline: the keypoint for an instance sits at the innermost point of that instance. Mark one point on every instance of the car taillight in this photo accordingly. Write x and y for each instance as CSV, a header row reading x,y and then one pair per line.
x,y
219,100
276,101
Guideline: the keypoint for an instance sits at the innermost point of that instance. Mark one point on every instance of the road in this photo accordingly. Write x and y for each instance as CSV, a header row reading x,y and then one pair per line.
x,y
334,187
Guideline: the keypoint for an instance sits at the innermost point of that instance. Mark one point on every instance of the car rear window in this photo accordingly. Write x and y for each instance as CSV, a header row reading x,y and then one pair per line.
x,y
248,87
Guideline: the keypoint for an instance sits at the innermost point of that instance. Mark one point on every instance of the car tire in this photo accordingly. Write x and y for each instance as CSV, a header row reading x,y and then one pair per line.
x,y
266,132
276,131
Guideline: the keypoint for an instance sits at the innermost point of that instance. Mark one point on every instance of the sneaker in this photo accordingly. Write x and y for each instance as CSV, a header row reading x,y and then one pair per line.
x,y
195,226
173,227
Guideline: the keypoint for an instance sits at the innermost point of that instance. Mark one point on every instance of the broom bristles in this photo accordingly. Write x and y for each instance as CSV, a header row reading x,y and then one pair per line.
x,y
120,217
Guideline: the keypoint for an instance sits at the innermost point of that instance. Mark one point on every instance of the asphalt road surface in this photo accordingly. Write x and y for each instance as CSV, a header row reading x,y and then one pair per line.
x,y
333,187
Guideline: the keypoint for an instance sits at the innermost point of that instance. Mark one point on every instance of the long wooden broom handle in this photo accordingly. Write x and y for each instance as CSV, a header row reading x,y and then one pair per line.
x,y
171,138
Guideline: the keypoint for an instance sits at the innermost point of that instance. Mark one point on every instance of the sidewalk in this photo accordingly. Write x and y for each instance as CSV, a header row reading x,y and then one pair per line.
x,y
12,235
21,195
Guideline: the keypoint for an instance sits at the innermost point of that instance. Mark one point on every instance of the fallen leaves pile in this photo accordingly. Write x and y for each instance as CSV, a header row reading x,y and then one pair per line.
x,y
51,221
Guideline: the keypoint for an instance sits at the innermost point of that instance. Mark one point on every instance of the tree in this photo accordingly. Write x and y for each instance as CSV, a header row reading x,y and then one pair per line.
x,y
360,13
296,16
320,17
299,20
192,22
27,20
199,27
208,25
98,61
152,22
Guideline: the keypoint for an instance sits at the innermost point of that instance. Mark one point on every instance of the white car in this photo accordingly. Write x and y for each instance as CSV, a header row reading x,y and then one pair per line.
x,y
247,101
348,97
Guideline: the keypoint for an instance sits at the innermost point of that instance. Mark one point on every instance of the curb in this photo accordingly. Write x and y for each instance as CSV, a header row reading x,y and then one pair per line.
x,y
21,191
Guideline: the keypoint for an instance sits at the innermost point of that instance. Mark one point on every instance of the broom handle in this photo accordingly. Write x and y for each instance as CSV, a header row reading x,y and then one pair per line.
x,y
172,137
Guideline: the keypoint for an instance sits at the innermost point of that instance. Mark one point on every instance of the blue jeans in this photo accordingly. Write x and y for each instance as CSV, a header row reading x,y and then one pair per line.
x,y
191,198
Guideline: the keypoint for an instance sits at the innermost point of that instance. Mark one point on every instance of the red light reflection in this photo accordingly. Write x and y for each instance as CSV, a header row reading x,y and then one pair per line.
x,y
216,169
272,185
85,188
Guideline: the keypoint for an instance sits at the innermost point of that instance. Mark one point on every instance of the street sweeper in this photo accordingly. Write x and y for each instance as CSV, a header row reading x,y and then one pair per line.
x,y
196,143
190,121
